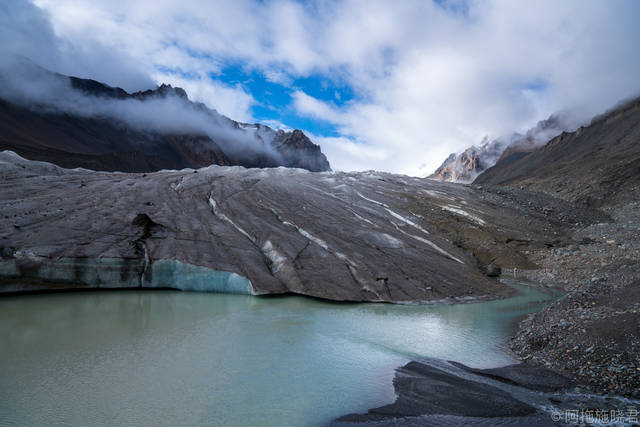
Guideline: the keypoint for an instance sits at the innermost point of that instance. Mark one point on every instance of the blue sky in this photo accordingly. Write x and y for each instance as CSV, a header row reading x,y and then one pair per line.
x,y
273,100
393,86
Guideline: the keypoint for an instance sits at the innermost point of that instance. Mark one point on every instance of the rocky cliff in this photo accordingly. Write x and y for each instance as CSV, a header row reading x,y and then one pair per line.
x,y
464,167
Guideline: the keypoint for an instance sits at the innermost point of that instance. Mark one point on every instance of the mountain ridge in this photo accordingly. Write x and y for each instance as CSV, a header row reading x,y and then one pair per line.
x,y
92,130
595,165
467,165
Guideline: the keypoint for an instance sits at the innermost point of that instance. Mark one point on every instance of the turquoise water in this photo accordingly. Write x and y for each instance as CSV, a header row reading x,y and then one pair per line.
x,y
165,358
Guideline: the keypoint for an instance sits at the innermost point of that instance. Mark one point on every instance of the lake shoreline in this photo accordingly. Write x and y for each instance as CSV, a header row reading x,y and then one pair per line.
x,y
353,349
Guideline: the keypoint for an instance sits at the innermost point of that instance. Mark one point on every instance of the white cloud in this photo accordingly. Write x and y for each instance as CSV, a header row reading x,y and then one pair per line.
x,y
428,79
466,78
26,30
232,101
309,106
347,154
277,125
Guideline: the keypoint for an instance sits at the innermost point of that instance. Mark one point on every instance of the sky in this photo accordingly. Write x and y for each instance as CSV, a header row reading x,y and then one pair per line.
x,y
385,85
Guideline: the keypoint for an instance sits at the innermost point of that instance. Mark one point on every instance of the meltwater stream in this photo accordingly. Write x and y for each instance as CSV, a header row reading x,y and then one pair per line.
x,y
164,358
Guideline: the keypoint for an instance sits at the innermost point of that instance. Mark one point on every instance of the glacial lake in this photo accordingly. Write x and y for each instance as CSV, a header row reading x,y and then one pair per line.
x,y
168,358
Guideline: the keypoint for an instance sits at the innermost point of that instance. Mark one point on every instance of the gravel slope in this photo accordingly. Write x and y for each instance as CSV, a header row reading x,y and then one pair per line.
x,y
593,333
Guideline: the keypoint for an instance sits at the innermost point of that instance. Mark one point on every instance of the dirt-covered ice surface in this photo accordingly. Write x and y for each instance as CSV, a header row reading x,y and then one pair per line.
x,y
364,236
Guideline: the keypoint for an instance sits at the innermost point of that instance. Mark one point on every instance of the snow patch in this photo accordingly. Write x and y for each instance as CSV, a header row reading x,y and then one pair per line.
x,y
391,241
462,212
318,241
431,244
436,194
222,216
277,259
361,218
406,221
326,193
371,200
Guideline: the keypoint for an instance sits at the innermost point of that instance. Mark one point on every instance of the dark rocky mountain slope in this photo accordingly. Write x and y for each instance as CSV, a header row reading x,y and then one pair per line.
x,y
592,333
597,164
76,122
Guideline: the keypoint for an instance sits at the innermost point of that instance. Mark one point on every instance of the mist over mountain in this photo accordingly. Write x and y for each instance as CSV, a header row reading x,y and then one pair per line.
x,y
596,164
464,167
84,123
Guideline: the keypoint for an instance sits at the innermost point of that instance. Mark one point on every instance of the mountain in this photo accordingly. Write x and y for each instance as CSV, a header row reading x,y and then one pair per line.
x,y
75,122
595,165
464,167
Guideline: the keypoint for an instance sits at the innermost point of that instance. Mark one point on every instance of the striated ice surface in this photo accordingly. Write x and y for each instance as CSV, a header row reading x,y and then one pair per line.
x,y
344,236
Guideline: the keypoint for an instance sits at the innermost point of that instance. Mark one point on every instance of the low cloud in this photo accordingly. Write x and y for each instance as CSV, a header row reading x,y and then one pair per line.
x,y
233,101
28,85
347,154
428,78
26,30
